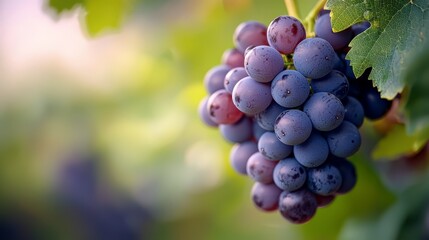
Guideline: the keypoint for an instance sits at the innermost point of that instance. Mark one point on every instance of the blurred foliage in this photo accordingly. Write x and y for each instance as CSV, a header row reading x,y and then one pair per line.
x,y
79,162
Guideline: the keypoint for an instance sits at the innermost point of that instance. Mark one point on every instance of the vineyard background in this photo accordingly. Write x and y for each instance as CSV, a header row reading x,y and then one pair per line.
x,y
100,137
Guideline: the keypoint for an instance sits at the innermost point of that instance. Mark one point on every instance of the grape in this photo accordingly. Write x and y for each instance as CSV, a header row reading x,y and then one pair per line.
x,y
257,130
374,106
324,180
353,111
339,63
214,78
266,196
323,201
335,82
260,169
313,152
232,78
250,33
314,57
267,118
325,111
292,127
338,40
251,97
238,132
348,175
360,27
290,88
347,67
270,146
203,112
344,141
240,154
289,175
299,206
263,63
221,108
284,33
233,58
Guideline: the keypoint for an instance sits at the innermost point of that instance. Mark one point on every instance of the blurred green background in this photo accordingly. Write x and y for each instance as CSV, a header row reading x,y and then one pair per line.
x,y
100,137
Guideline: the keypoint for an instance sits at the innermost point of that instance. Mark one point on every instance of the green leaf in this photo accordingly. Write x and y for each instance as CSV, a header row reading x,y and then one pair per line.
x,y
398,31
396,143
64,5
105,14
416,97
101,15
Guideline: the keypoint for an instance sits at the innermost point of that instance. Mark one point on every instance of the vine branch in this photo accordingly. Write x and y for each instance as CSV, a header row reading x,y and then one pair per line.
x,y
292,8
311,17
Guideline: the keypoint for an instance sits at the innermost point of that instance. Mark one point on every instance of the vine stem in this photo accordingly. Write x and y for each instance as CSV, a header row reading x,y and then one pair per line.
x,y
292,8
311,17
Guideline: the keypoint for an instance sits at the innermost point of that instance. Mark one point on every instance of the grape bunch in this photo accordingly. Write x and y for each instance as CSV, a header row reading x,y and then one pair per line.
x,y
292,107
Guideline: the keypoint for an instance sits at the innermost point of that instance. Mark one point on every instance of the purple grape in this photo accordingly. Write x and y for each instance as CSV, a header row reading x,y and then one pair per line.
x,y
348,174
240,154
289,175
354,112
373,105
323,201
221,108
290,88
270,146
325,111
338,40
347,69
233,58
344,141
260,169
267,118
299,206
257,130
240,131
232,78
250,33
263,63
360,27
324,180
284,33
204,114
314,57
335,82
313,152
251,97
266,196
292,127
214,78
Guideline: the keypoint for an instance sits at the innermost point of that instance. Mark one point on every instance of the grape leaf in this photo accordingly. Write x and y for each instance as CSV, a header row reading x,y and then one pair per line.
x,y
100,15
416,95
399,29
64,5
396,143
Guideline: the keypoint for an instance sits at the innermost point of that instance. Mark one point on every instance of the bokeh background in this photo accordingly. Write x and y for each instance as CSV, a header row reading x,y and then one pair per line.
x,y
100,137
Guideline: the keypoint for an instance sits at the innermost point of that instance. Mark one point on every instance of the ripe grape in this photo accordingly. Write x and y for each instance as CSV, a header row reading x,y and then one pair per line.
x,y
263,63
266,196
284,33
232,78
325,111
344,141
290,88
251,97
251,33
240,154
289,175
298,206
313,152
314,57
324,180
260,169
292,127
338,40
271,147
267,118
214,78
240,131
221,108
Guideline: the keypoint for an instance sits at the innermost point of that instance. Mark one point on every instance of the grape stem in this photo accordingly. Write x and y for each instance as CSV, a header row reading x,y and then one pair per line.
x,y
292,8
310,19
